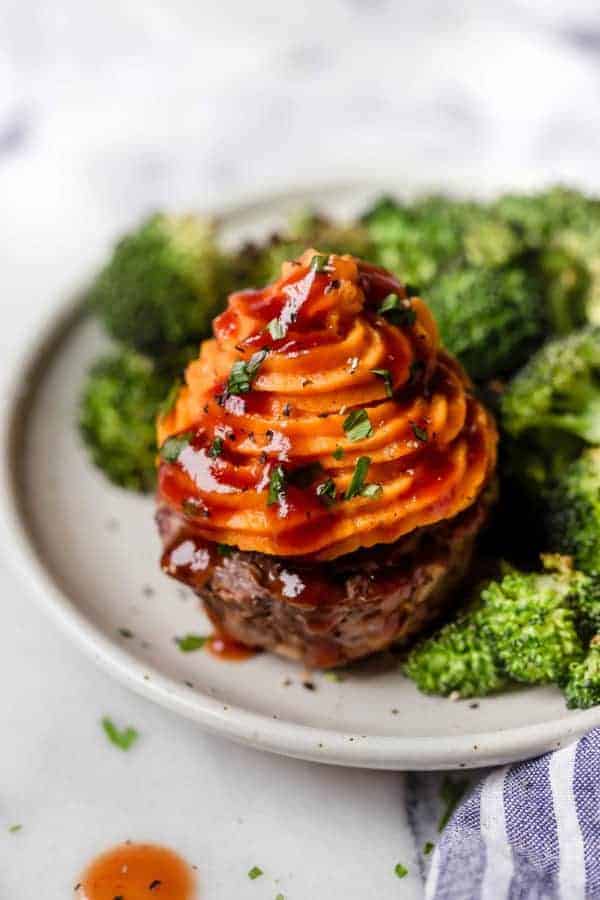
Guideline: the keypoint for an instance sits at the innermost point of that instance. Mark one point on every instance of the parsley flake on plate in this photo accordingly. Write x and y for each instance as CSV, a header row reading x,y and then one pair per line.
x,y
255,872
338,453
357,425
121,738
190,642
400,870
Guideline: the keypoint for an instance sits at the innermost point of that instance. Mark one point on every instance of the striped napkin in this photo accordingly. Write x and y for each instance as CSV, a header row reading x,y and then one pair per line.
x,y
529,830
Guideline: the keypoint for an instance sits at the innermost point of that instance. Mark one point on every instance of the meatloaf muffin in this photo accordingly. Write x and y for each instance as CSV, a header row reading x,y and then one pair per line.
x,y
325,469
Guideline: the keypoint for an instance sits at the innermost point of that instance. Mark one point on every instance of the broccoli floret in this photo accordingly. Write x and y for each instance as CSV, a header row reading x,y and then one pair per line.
x,y
523,627
163,284
558,391
574,512
489,242
562,229
572,264
415,241
459,658
530,619
582,687
536,217
423,239
566,284
490,319
117,417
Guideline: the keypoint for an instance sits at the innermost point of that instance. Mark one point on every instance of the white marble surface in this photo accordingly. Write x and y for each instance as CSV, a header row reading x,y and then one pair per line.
x,y
110,109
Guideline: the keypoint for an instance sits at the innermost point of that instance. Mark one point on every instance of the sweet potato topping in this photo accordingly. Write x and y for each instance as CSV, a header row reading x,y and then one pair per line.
x,y
323,417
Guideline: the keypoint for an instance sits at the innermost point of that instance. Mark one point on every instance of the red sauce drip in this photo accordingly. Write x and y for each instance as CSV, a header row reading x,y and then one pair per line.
x,y
137,872
227,648
298,304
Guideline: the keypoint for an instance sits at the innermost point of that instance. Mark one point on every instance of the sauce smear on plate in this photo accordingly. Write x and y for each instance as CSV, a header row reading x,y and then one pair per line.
x,y
137,872
224,647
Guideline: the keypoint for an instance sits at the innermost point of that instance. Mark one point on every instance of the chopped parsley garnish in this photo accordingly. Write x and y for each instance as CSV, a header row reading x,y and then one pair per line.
x,y
417,367
451,794
400,870
12,829
338,453
243,373
357,425
372,490
357,482
277,329
332,676
122,739
216,448
419,433
326,492
255,872
397,311
173,446
428,848
303,476
279,897
224,550
320,262
169,402
276,485
387,379
191,642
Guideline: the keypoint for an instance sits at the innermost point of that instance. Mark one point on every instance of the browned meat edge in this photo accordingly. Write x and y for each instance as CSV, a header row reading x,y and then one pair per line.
x,y
328,614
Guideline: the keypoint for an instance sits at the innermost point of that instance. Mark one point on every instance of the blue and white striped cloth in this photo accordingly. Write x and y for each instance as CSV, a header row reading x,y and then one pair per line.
x,y
529,830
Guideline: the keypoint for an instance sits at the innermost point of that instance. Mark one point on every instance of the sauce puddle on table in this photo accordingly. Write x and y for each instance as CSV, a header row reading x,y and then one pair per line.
x,y
137,872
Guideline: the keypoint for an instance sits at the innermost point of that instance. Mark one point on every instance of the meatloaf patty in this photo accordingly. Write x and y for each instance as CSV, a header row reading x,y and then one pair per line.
x,y
326,614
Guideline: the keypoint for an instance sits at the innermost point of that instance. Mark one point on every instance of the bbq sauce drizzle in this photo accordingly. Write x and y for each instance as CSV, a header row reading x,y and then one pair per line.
x,y
207,469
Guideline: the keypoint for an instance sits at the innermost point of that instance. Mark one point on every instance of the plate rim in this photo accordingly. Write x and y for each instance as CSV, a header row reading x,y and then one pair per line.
x,y
259,730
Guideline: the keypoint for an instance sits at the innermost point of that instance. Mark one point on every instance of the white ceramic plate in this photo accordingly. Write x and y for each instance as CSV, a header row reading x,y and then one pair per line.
x,y
90,552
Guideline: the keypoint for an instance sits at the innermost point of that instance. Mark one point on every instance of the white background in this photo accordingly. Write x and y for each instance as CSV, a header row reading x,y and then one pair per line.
x,y
109,110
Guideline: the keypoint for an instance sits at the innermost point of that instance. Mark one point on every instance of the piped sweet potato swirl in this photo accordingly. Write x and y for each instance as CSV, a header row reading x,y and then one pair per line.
x,y
323,417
